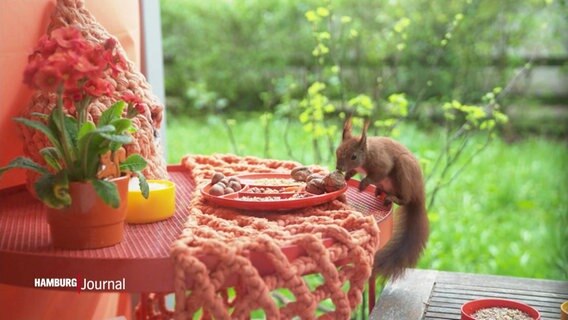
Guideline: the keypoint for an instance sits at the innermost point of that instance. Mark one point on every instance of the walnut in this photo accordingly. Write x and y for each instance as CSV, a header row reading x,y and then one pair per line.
x,y
315,186
300,173
334,181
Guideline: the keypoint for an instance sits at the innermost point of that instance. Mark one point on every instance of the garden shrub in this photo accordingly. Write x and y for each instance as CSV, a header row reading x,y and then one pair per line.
x,y
232,51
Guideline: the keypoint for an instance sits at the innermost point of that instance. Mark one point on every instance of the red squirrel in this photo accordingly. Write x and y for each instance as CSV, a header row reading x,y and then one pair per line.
x,y
393,169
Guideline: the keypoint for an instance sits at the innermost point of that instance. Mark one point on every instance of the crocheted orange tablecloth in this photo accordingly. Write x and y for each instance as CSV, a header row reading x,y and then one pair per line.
x,y
216,246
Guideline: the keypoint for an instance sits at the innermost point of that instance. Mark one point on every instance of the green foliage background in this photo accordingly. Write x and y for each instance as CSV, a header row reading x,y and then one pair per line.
x,y
226,53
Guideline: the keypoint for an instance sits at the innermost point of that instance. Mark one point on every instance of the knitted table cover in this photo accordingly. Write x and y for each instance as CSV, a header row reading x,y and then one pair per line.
x,y
216,245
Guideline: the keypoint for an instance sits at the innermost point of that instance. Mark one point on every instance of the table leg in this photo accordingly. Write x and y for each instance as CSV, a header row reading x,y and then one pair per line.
x,y
152,306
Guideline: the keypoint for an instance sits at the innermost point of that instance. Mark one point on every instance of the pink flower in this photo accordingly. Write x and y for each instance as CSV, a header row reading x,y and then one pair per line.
x,y
68,58
131,98
135,104
47,78
67,37
140,108
110,44
46,46
74,95
98,87
88,64
116,62
68,105
64,62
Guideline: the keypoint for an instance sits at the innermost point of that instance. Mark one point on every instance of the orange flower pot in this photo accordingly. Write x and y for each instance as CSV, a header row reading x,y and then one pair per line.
x,y
88,222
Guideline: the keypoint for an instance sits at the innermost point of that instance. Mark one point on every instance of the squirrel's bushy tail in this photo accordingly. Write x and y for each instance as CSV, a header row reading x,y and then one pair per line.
x,y
408,241
411,224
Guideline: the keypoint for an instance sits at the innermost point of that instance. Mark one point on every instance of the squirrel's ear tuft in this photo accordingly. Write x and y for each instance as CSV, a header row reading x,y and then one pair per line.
x,y
363,140
347,128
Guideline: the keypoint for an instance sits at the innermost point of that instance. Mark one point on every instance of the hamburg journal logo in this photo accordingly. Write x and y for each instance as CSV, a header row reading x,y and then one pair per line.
x,y
81,284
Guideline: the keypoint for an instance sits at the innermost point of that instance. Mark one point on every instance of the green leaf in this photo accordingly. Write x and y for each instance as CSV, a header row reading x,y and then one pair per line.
x,y
112,113
113,146
143,184
91,146
118,138
71,127
53,190
121,125
24,163
134,162
86,128
96,147
40,115
65,130
107,191
41,128
52,157
105,129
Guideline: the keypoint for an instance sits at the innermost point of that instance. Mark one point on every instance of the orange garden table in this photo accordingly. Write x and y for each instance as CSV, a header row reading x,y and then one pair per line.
x,y
142,259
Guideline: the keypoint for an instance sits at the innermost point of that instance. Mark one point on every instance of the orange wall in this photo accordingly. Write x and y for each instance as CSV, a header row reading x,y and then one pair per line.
x,y
22,22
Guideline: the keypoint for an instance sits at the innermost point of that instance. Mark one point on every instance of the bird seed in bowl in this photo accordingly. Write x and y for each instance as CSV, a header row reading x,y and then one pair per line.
x,y
500,313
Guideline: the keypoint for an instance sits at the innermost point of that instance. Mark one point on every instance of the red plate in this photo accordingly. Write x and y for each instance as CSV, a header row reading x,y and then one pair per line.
x,y
286,201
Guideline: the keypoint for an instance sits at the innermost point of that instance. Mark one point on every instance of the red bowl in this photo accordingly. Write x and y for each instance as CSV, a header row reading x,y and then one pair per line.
x,y
469,308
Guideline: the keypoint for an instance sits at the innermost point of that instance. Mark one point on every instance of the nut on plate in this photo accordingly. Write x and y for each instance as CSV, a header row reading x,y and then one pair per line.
x,y
217,177
224,181
300,173
235,185
217,190
315,186
334,181
314,176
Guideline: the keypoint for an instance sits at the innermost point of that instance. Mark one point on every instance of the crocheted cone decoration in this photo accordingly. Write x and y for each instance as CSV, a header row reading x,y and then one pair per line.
x,y
74,13
221,245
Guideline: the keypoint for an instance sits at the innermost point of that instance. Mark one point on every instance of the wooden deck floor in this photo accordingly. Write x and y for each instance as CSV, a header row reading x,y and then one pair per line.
x,y
437,295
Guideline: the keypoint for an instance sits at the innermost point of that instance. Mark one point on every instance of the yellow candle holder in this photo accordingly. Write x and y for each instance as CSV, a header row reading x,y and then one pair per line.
x,y
160,204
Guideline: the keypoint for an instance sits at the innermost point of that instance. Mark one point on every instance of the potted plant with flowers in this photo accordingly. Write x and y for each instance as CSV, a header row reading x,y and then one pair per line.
x,y
84,181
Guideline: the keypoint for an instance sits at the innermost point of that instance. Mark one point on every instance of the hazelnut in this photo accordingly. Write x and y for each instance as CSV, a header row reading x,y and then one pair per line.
x,y
234,179
300,173
228,190
217,177
314,176
224,182
334,181
315,186
235,185
217,190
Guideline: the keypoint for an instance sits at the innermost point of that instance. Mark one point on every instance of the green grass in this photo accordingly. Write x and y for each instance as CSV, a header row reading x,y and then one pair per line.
x,y
506,214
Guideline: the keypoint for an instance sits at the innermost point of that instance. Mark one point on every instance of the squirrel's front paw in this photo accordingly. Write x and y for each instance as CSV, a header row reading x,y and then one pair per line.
x,y
379,191
350,174
363,185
